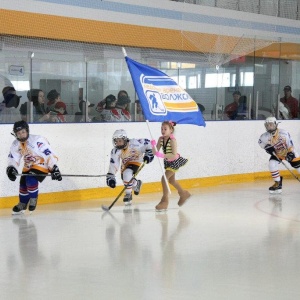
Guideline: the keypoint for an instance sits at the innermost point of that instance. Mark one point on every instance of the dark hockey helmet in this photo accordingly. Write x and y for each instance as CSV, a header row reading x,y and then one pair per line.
x,y
109,100
19,126
271,125
120,134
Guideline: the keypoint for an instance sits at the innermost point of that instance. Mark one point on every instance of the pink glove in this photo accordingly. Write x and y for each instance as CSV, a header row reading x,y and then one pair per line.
x,y
153,143
172,137
159,154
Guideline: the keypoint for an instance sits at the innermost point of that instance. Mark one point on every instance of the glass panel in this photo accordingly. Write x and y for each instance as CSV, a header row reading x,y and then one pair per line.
x,y
61,77
289,82
88,74
14,73
266,81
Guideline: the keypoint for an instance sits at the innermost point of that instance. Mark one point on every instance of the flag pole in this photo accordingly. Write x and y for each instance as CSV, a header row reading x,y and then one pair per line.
x,y
124,52
161,166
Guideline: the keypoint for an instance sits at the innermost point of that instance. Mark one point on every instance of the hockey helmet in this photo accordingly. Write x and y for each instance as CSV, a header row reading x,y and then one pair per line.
x,y
271,125
18,126
120,134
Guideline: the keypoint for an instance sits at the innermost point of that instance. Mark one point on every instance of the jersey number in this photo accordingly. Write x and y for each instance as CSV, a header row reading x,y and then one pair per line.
x,y
47,152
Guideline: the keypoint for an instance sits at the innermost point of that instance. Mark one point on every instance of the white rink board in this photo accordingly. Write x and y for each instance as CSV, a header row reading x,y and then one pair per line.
x,y
221,148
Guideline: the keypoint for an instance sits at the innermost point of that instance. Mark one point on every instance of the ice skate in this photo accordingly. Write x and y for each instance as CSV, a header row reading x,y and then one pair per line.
x,y
32,204
127,199
276,188
19,209
138,186
184,196
163,204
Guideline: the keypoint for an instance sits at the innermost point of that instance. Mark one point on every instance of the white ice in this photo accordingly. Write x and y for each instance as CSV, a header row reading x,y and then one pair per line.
x,y
230,242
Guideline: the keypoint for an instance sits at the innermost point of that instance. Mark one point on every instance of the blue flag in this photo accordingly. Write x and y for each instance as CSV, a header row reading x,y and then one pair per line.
x,y
161,97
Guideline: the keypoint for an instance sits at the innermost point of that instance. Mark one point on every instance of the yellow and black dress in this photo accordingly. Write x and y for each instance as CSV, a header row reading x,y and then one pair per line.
x,y
174,164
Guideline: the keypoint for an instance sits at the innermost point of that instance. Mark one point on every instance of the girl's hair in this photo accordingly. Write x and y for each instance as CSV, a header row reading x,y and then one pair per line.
x,y
121,93
33,95
171,124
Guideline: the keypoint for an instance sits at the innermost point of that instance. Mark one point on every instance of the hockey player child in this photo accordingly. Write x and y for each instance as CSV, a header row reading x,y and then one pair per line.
x,y
278,143
130,153
38,159
172,162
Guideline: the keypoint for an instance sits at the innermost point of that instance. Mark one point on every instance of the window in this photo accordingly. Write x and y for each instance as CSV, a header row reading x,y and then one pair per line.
x,y
246,78
217,80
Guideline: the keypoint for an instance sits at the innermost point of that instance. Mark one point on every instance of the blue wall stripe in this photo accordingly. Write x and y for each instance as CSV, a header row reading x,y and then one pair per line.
x,y
175,15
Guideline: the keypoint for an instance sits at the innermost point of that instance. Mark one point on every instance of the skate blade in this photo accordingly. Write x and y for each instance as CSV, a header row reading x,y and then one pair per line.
x,y
22,212
275,192
127,203
161,210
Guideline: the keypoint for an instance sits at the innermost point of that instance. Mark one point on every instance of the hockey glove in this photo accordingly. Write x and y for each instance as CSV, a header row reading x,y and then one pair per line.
x,y
111,180
290,156
148,157
269,149
55,173
11,173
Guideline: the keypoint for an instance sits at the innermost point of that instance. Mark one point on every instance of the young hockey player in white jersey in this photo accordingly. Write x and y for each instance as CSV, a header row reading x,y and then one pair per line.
x,y
130,153
38,159
278,143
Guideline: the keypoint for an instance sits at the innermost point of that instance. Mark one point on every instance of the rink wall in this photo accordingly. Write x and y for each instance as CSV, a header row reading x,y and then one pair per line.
x,y
222,152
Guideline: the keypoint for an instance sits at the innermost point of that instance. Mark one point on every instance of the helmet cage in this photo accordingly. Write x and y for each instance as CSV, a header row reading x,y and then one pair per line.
x,y
120,134
271,125
18,126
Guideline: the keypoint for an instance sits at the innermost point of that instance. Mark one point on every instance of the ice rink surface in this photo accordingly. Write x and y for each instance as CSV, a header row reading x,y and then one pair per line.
x,y
232,242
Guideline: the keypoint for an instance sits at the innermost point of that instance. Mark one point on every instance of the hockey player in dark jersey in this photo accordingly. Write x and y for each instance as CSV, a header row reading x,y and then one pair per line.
x,y
278,143
128,155
38,158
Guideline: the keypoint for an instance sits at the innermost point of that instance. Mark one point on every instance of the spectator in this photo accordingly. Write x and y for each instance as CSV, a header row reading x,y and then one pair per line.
x,y
242,111
290,103
9,112
139,112
122,106
53,98
106,110
82,116
125,94
60,108
40,113
231,110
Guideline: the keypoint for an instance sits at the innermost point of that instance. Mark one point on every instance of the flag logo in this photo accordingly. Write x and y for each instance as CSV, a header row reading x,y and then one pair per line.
x,y
163,95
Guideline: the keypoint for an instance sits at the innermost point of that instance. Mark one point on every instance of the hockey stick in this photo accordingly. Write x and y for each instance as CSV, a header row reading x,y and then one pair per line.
x,y
281,161
63,175
107,208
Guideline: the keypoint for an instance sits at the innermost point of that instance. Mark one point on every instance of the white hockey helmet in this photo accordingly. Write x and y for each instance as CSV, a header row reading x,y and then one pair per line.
x,y
271,125
120,134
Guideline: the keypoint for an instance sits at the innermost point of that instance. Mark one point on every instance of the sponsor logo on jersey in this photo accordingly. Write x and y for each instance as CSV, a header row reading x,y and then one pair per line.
x,y
39,144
